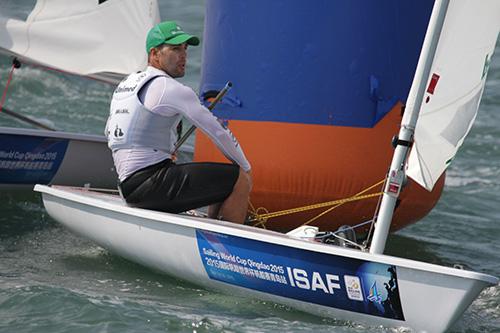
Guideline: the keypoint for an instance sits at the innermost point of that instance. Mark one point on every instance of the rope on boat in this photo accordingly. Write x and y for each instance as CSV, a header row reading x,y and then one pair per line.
x,y
260,216
15,64
325,235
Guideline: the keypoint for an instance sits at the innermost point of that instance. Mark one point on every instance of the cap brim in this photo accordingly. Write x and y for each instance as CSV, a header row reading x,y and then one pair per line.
x,y
184,38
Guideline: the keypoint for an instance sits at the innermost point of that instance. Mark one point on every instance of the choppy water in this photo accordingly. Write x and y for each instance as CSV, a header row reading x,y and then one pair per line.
x,y
53,281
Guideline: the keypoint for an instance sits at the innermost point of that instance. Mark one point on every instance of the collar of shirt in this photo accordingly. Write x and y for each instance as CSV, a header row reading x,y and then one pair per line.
x,y
156,71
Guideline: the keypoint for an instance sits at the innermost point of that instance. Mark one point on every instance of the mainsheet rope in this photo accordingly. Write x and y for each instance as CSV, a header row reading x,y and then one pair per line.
x,y
260,216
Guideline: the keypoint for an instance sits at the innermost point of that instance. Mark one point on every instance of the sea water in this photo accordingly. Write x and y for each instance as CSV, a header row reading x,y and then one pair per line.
x,y
54,281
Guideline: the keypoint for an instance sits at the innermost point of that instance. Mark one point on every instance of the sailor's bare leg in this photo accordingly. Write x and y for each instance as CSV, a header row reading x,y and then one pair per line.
x,y
213,210
235,207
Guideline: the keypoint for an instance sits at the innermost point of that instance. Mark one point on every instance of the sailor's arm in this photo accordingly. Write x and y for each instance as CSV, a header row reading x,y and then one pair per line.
x,y
203,119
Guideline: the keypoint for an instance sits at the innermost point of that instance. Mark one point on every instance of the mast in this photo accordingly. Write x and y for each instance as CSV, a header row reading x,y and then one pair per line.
x,y
396,175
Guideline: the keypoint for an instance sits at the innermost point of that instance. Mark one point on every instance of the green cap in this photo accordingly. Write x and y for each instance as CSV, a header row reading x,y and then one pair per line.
x,y
168,32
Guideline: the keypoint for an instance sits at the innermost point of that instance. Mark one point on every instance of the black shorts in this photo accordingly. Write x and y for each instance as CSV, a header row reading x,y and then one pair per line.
x,y
176,188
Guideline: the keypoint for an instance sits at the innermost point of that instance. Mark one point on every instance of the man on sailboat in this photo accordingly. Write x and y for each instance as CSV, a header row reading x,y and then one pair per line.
x,y
141,129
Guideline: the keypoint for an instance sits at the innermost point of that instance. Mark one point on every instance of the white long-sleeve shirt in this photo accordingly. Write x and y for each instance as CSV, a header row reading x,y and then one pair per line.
x,y
167,97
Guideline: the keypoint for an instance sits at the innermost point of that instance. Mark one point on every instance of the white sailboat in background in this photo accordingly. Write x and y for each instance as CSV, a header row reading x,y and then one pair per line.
x,y
103,40
357,283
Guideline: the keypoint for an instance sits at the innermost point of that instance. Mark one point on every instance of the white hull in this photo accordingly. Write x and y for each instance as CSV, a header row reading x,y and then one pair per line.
x,y
29,157
320,279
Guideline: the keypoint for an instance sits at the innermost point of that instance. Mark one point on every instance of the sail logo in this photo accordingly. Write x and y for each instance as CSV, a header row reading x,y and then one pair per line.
x,y
374,296
432,86
433,83
353,288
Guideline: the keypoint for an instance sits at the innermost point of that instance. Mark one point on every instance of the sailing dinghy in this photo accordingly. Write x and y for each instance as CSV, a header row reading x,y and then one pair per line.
x,y
29,156
301,269
101,40
315,277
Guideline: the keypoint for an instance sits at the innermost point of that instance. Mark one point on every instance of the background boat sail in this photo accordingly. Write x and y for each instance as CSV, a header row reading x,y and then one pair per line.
x,y
103,40
309,275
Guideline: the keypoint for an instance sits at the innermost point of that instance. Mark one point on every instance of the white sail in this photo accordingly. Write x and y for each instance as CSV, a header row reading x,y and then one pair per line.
x,y
84,37
454,86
